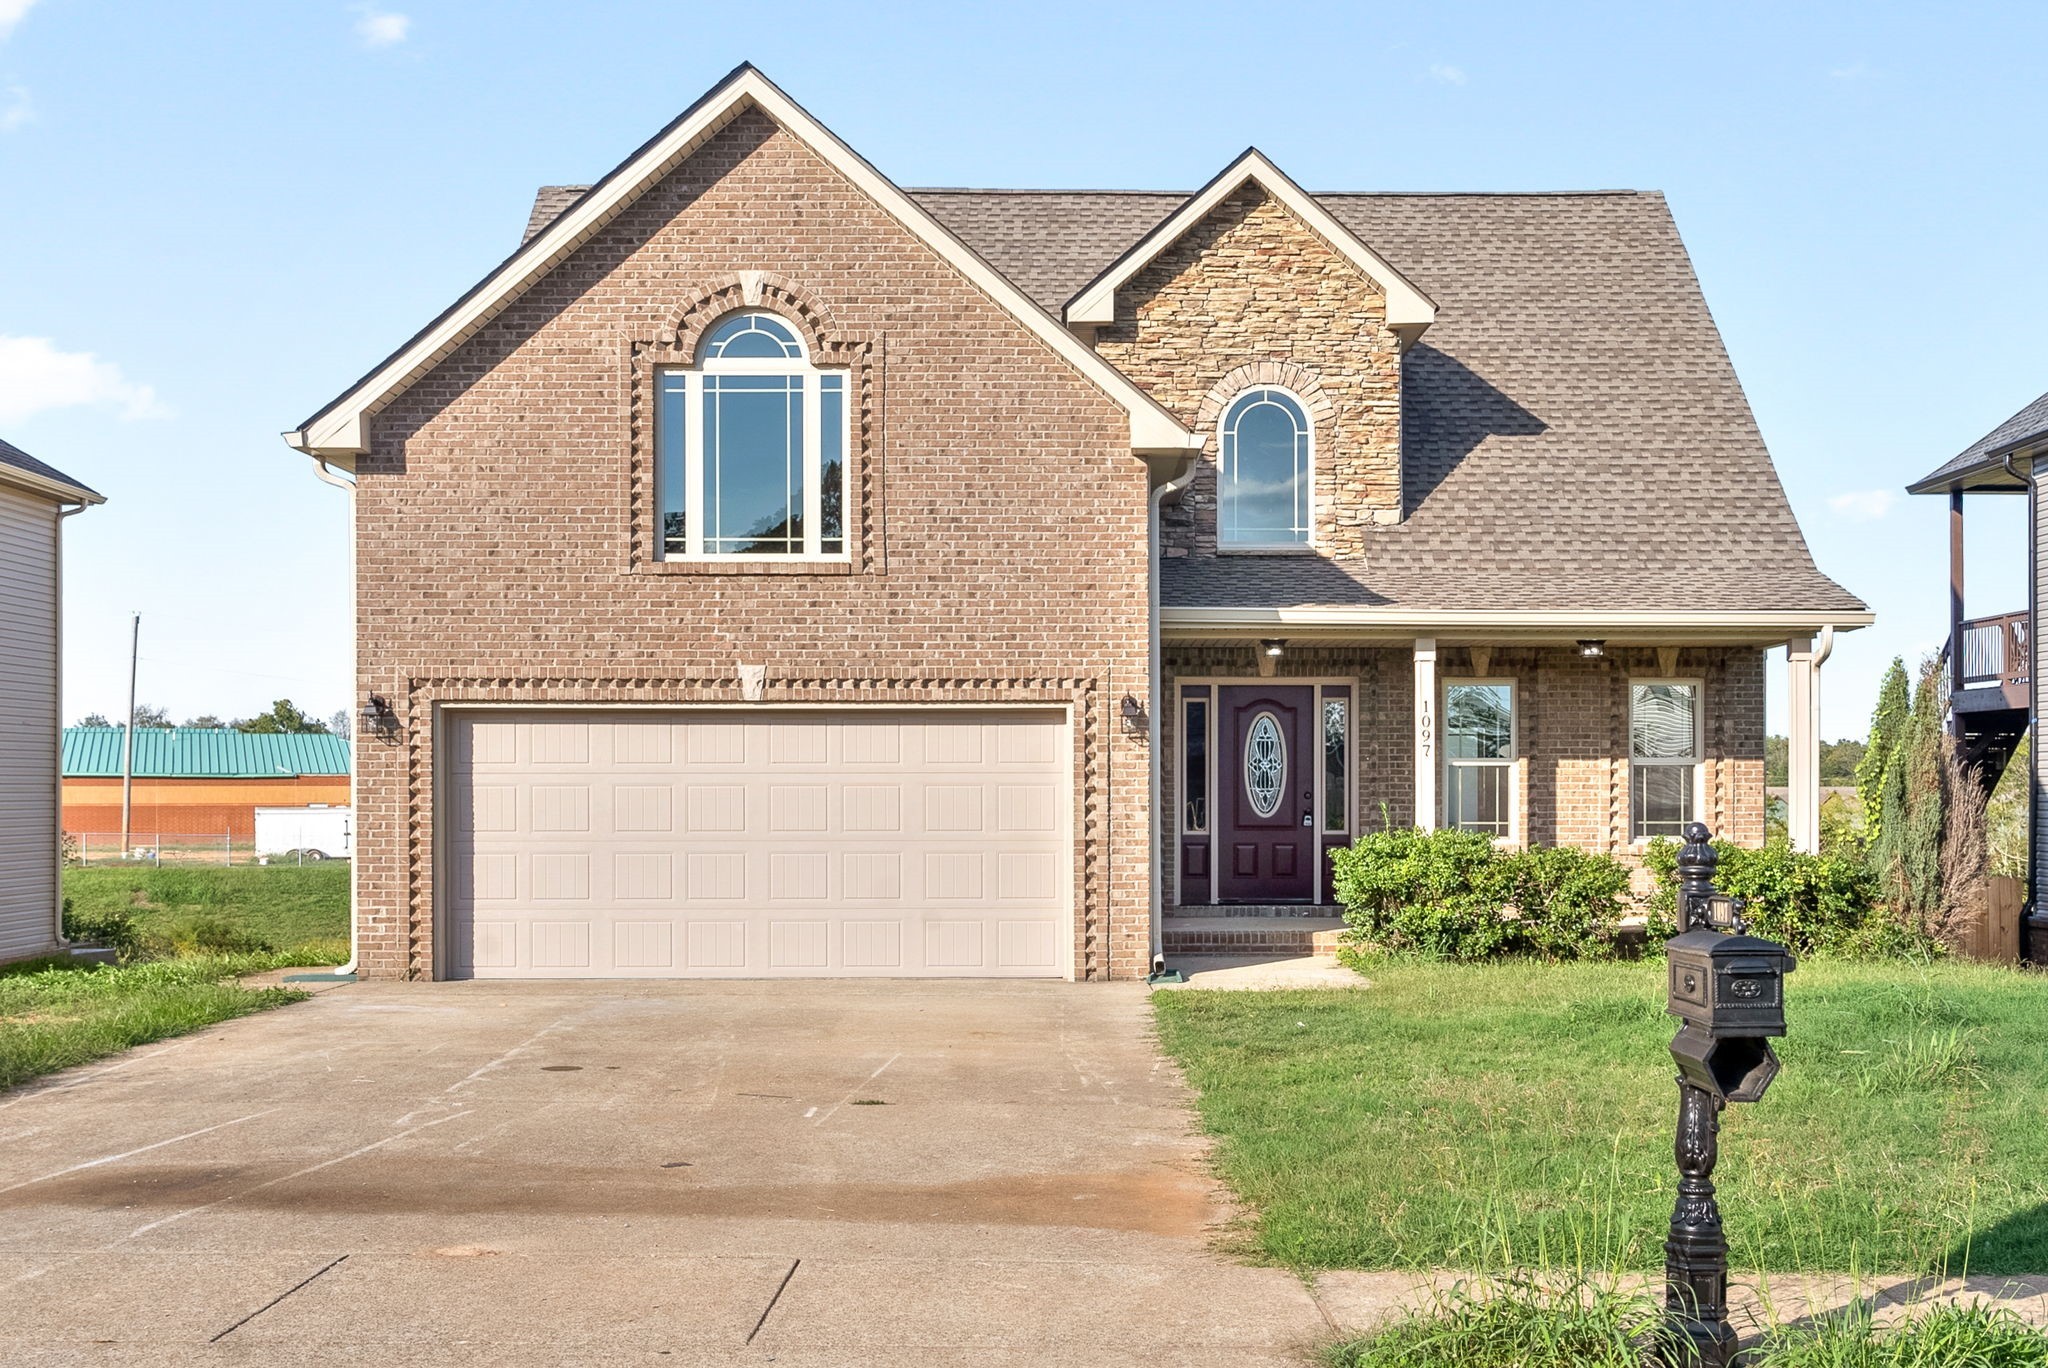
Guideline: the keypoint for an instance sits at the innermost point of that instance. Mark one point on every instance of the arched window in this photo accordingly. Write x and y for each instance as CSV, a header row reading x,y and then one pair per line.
x,y
750,447
1264,457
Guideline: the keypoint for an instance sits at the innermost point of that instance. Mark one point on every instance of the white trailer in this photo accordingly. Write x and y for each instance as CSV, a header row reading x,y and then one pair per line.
x,y
312,833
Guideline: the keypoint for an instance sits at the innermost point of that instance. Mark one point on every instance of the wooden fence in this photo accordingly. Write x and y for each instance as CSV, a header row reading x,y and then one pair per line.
x,y
1996,936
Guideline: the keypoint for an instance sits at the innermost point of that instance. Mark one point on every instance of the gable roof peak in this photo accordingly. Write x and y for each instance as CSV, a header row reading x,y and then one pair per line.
x,y
1409,310
340,431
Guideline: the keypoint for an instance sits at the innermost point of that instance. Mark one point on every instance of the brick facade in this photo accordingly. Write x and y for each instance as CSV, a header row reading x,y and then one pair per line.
x,y
500,508
1251,297
507,526
1571,775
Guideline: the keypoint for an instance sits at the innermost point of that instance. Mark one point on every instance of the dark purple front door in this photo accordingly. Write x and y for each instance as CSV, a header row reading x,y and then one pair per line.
x,y
1265,787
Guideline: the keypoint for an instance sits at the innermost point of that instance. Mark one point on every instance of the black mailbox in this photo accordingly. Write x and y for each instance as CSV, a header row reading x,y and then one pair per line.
x,y
1728,985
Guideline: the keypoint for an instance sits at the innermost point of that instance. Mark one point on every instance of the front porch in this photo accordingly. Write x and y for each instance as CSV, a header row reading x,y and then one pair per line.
x,y
1276,752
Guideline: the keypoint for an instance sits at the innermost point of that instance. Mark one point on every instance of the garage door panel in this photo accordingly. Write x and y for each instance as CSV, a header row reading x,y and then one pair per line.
x,y
656,845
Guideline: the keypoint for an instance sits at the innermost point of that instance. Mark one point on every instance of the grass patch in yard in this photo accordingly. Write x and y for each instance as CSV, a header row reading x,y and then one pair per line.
x,y
1518,1115
1524,1323
301,912
55,1014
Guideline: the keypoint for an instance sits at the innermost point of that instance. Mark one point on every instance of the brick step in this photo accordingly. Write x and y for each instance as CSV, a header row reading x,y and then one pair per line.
x,y
1280,937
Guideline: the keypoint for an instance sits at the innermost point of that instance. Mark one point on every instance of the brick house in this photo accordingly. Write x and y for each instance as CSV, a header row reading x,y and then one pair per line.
x,y
768,570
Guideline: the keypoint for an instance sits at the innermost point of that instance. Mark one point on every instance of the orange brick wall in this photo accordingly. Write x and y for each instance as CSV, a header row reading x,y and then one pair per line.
x,y
191,807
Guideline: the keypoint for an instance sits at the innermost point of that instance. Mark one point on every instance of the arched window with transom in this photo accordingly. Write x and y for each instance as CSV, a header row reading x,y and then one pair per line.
x,y
750,448
1265,455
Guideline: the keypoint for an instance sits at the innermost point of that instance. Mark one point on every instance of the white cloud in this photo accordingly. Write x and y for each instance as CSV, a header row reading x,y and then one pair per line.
x,y
36,377
1445,74
12,12
1863,505
1855,71
377,28
19,110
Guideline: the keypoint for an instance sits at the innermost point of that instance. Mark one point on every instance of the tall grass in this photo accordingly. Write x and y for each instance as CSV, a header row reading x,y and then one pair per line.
x,y
56,1014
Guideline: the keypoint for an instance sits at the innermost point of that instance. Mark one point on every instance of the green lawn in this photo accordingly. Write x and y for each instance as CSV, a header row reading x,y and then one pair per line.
x,y
54,1015
1495,1116
195,932
299,911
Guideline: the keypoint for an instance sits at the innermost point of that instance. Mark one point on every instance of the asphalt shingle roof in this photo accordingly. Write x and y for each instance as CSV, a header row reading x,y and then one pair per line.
x,y
1575,437
203,753
14,457
2028,426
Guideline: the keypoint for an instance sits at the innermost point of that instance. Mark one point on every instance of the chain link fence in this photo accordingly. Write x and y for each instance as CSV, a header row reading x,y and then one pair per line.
x,y
180,848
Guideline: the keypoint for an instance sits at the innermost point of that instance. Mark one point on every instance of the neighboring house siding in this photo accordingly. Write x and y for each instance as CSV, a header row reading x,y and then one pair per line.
x,y
1251,297
28,723
500,557
2040,681
1571,784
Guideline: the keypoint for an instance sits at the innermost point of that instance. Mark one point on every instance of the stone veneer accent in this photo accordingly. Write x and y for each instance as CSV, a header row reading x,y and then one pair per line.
x,y
1571,779
1248,297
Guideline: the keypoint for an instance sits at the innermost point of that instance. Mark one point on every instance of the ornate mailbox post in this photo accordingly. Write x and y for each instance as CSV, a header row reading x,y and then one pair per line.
x,y
1728,990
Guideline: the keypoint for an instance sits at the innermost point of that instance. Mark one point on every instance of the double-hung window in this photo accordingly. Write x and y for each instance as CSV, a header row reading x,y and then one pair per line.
x,y
1664,758
1479,756
750,448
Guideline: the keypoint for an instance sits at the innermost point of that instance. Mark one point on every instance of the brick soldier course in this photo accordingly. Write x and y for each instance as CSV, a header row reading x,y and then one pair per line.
x,y
1000,499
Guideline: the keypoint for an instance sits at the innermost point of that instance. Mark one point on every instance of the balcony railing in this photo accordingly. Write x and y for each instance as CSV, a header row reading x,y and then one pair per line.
x,y
1996,652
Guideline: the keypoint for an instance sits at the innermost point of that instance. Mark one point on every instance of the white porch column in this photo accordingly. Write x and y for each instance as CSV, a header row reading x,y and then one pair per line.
x,y
1425,733
1802,759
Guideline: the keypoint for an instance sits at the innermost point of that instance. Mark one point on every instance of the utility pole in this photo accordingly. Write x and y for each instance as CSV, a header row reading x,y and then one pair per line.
x,y
128,737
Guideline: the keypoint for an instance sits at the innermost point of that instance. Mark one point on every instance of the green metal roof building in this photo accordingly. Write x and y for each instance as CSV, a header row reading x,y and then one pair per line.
x,y
203,753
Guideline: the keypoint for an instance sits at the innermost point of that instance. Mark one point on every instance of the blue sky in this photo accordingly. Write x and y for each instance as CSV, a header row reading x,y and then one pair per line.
x,y
220,214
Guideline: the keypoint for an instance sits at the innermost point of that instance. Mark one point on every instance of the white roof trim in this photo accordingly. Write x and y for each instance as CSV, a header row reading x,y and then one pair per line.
x,y
63,491
1409,310
340,431
1620,627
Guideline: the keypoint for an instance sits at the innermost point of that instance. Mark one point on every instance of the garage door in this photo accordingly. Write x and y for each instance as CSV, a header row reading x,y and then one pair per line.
x,y
693,844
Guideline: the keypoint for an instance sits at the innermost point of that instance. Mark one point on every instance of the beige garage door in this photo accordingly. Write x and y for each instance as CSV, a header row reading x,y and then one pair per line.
x,y
706,844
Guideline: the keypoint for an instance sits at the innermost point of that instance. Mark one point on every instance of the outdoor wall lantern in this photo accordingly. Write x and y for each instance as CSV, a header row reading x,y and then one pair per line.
x,y
1590,648
1727,988
378,719
1133,714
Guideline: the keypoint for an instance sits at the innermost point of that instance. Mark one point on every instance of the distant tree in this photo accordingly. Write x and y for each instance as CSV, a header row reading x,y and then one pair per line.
x,y
1838,761
94,720
283,716
339,724
1777,762
146,716
1887,727
2006,818
206,722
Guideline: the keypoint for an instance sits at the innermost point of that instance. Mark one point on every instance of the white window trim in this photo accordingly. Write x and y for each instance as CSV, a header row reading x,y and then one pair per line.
x,y
692,378
1514,835
1227,548
1699,751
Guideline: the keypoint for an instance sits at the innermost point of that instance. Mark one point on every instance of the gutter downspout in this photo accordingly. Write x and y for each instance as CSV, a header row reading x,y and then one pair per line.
x,y
57,911
2036,926
326,475
1158,681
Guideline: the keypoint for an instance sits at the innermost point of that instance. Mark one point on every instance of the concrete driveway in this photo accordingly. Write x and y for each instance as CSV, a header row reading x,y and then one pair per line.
x,y
798,1173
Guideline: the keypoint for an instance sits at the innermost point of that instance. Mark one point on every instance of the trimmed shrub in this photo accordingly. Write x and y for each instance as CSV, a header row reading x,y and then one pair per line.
x,y
1455,895
1826,904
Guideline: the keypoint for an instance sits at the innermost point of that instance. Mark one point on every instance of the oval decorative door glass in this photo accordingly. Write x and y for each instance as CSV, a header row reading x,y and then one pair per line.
x,y
1265,765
